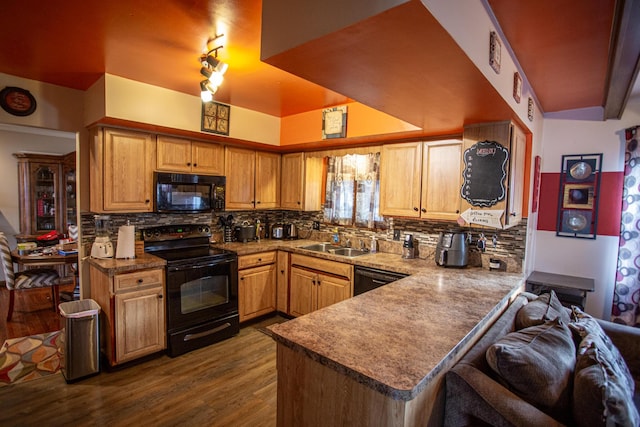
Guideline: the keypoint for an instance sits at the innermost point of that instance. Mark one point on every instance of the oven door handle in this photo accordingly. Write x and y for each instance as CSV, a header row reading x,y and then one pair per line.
x,y
196,266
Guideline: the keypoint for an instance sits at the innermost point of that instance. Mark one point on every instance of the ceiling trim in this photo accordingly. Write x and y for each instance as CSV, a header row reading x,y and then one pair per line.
x,y
624,61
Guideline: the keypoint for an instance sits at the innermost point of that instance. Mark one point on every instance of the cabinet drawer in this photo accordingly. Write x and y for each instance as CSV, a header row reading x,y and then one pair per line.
x,y
253,260
138,279
330,267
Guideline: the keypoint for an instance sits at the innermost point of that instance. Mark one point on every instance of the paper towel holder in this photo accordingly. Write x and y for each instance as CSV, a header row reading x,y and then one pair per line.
x,y
126,246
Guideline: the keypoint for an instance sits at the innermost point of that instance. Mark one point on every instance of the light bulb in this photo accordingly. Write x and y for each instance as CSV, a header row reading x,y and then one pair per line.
x,y
216,78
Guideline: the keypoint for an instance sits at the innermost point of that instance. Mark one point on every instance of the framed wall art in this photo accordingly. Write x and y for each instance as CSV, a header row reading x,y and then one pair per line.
x,y
495,51
578,195
215,117
334,122
517,87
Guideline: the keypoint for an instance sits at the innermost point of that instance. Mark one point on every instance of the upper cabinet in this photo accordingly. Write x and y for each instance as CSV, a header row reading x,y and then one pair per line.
x,y
122,163
47,193
301,185
493,168
421,179
253,179
180,155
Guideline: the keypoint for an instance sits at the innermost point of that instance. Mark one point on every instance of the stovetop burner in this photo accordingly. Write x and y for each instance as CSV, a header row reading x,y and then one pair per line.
x,y
182,244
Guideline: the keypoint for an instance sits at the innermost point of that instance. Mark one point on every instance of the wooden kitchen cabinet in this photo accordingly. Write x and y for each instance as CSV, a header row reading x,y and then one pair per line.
x,y
421,179
282,282
180,155
132,313
513,138
301,183
316,283
253,179
256,284
122,164
47,193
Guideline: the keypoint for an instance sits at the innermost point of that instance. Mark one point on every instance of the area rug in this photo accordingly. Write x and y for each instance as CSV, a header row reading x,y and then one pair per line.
x,y
28,358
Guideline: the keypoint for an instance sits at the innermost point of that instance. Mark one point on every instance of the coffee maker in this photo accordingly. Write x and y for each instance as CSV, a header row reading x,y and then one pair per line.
x,y
102,245
452,250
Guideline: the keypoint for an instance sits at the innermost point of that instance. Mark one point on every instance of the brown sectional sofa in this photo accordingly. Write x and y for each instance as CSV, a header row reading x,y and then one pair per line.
x,y
477,395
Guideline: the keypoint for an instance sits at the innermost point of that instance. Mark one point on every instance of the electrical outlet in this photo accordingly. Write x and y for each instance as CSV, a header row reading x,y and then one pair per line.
x,y
396,234
316,225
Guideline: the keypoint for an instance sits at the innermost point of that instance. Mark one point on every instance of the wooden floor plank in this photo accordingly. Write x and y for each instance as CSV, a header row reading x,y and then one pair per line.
x,y
231,383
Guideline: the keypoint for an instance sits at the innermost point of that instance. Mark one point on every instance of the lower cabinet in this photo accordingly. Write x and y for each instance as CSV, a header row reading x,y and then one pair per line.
x,y
256,284
133,313
316,283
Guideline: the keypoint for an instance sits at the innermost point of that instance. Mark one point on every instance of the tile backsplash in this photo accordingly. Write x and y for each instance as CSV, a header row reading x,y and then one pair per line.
x,y
509,246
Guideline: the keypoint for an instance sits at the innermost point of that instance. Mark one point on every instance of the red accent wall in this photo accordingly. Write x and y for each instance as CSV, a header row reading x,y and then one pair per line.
x,y
609,204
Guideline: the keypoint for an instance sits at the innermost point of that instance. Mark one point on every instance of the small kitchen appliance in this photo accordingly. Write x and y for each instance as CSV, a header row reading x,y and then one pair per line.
x,y
245,232
277,231
102,246
408,250
290,231
452,250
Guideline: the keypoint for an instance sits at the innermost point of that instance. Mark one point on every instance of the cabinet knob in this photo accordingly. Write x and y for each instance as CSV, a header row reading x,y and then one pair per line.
x,y
415,209
282,271
513,214
147,201
160,296
457,210
195,165
259,259
242,278
258,202
313,281
188,163
140,281
299,202
423,210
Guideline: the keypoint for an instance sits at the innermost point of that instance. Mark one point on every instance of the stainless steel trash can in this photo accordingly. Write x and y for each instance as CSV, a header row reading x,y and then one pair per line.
x,y
79,345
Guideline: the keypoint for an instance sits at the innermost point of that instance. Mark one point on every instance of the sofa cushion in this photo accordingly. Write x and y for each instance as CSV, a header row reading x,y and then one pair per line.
x,y
601,394
546,307
537,364
590,334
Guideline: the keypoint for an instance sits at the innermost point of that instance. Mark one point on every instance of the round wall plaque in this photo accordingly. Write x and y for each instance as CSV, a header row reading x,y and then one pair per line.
x,y
17,101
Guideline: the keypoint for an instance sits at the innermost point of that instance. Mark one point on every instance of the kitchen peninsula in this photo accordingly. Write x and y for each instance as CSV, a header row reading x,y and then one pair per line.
x,y
379,358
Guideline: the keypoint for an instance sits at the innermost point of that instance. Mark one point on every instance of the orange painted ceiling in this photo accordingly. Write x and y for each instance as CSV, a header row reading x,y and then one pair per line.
x,y
562,45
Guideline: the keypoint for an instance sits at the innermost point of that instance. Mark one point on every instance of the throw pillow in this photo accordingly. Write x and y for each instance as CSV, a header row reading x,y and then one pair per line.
x,y
601,396
537,364
546,307
590,332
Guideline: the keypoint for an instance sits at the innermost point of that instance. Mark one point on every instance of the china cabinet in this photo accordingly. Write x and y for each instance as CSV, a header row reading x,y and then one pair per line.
x,y
47,193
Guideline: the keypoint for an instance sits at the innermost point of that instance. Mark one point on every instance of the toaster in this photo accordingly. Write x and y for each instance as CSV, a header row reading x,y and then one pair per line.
x,y
452,250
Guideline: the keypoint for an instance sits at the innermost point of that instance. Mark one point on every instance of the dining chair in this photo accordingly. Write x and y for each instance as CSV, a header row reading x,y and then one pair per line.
x,y
27,279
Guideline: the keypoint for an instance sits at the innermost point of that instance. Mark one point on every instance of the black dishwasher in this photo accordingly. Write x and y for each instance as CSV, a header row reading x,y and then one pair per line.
x,y
367,279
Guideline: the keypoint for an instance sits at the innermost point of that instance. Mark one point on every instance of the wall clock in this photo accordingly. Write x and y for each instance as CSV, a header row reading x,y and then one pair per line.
x,y
17,101
215,117
334,122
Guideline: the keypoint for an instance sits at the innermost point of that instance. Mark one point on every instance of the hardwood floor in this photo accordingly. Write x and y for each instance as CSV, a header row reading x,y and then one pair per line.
x,y
230,383
33,312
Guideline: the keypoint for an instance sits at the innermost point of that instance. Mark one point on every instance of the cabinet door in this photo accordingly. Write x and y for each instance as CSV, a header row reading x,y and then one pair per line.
x,y
207,158
140,323
400,179
256,291
441,180
292,181
267,180
173,154
128,171
516,177
332,290
302,294
282,282
240,165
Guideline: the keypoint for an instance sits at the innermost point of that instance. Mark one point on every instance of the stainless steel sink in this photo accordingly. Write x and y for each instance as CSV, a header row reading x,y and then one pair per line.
x,y
349,252
334,249
321,247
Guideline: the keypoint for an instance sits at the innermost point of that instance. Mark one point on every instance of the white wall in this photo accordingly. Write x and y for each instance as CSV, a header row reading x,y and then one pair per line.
x,y
582,257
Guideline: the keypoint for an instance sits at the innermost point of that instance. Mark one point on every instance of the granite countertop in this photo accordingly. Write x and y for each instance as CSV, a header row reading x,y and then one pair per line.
x,y
113,266
395,338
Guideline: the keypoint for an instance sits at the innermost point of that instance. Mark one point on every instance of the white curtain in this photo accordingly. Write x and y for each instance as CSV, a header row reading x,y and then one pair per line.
x,y
353,190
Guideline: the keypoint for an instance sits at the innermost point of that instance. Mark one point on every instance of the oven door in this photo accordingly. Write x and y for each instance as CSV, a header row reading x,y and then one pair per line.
x,y
200,293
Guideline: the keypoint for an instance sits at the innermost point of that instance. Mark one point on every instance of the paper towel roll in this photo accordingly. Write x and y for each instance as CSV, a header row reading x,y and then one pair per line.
x,y
126,247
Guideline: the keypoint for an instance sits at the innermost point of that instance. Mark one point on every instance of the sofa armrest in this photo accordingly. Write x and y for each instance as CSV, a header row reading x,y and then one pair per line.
x,y
627,339
472,398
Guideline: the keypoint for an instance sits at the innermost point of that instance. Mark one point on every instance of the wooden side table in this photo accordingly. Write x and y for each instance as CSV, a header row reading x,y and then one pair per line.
x,y
571,290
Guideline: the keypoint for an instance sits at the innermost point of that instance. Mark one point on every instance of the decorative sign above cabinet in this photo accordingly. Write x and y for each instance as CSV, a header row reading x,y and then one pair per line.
x,y
215,117
485,170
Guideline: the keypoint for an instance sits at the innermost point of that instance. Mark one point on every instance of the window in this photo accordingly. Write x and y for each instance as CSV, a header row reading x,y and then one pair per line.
x,y
353,190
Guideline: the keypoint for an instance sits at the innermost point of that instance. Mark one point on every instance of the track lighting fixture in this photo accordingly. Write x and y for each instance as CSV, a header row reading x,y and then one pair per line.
x,y
213,69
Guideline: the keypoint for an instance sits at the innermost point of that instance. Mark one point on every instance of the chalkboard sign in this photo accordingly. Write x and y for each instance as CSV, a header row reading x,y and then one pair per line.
x,y
484,173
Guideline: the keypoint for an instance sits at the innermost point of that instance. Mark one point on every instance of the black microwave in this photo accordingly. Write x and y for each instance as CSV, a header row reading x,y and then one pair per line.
x,y
188,193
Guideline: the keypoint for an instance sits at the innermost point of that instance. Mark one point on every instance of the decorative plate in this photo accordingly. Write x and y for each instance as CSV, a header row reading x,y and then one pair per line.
x,y
17,101
576,221
580,170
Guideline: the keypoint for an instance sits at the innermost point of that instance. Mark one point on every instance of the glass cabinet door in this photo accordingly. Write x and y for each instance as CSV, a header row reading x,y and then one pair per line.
x,y
70,213
45,210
